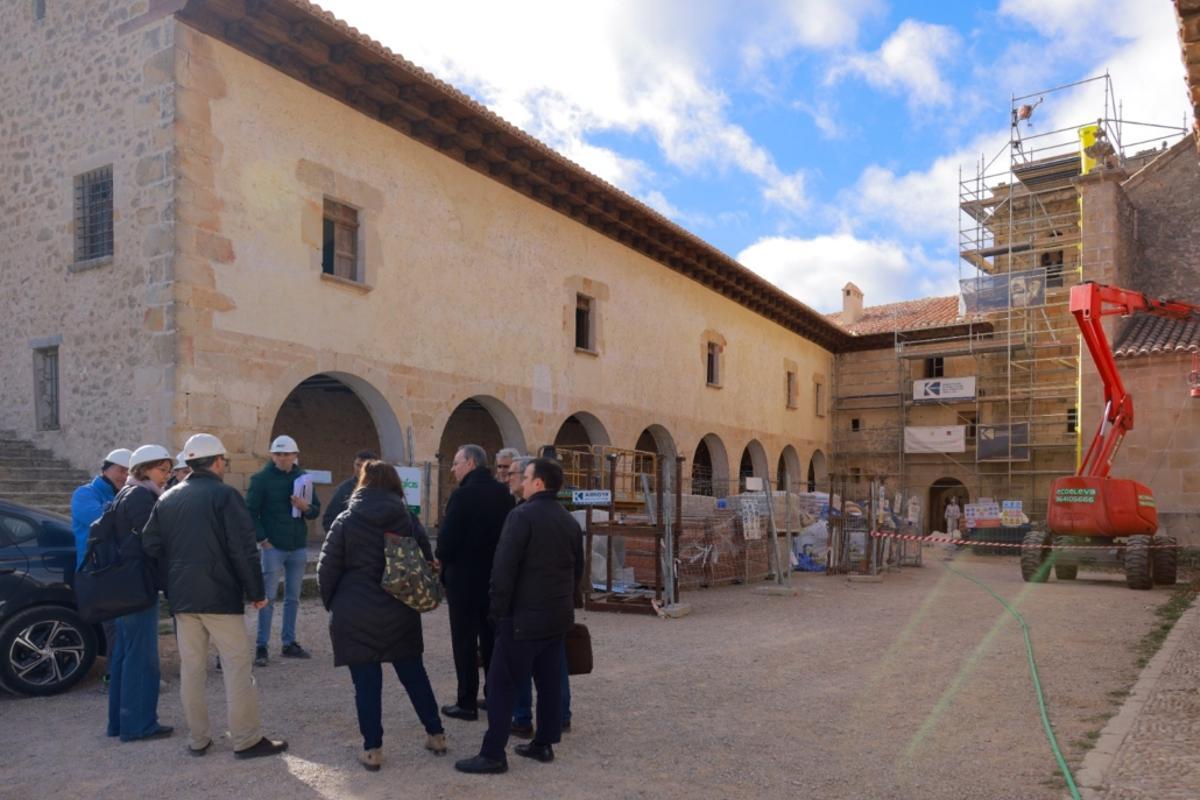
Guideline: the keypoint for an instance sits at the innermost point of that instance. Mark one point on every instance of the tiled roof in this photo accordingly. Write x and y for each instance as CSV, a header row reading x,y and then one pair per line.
x,y
928,312
1146,334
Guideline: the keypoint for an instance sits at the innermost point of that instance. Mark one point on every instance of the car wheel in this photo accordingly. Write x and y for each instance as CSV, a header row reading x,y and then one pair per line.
x,y
45,650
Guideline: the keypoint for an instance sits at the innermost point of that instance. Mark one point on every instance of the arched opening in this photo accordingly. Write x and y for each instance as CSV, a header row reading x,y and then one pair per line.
x,y
710,467
333,415
940,493
787,471
818,473
753,463
480,420
574,444
657,441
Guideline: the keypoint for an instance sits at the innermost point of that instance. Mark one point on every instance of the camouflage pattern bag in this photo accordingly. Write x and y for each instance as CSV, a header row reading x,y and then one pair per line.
x,y
407,576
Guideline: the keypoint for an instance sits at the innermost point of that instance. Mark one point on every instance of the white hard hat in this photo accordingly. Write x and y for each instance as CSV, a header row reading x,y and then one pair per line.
x,y
120,457
180,461
284,444
147,454
202,445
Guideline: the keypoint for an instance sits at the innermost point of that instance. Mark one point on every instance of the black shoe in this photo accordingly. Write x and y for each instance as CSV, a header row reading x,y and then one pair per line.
x,y
218,664
260,656
457,712
263,747
482,765
536,750
521,731
199,751
482,704
163,732
294,650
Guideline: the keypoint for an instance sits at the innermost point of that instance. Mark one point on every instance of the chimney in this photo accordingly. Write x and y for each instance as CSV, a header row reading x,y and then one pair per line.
x,y
852,304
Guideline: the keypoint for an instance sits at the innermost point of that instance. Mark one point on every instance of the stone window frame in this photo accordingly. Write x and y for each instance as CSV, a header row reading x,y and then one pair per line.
x,y
820,401
791,384
597,293
588,306
94,228
47,383
336,214
712,347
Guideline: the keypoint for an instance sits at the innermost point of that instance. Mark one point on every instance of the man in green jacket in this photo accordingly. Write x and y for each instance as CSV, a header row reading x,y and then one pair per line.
x,y
279,514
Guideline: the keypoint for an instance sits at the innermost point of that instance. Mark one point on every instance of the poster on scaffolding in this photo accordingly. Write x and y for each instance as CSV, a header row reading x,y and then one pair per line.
x,y
1002,442
939,390
996,292
752,527
935,439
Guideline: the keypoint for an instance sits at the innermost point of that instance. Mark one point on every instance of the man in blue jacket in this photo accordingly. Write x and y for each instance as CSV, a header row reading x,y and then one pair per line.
x,y
89,500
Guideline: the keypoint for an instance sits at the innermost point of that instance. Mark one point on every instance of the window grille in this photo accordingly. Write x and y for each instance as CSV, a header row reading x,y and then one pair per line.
x,y
45,381
94,214
583,322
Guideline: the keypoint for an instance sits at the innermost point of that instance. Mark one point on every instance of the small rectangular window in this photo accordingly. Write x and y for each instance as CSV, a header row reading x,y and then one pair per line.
x,y
818,398
792,390
94,214
971,420
1053,262
935,367
339,252
713,364
1072,420
39,10
45,387
856,424
583,322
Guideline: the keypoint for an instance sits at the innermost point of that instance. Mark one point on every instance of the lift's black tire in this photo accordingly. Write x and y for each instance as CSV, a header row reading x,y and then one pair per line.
x,y
1034,565
1137,563
1165,561
1066,572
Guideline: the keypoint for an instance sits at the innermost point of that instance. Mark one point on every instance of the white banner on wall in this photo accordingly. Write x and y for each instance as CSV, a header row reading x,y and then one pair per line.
x,y
935,439
932,390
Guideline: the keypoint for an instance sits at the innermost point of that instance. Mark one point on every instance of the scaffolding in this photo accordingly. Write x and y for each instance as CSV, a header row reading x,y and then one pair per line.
x,y
1020,245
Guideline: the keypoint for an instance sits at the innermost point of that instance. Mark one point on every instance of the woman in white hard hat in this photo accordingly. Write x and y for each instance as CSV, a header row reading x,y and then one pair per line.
x,y
133,657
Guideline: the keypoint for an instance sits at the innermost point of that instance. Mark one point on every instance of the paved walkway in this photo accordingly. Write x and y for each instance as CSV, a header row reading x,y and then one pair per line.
x,y
1151,748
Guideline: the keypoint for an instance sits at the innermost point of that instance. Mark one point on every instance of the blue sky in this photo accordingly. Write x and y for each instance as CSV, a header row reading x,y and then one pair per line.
x,y
817,141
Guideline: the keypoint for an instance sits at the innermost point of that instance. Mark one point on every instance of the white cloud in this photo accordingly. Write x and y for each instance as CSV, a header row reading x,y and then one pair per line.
x,y
815,270
777,28
568,71
910,61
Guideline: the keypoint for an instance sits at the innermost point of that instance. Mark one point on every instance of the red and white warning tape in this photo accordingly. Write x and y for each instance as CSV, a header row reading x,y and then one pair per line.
x,y
908,537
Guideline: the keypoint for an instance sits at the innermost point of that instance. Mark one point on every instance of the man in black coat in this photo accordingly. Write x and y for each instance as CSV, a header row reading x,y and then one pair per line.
x,y
341,495
538,565
203,537
466,543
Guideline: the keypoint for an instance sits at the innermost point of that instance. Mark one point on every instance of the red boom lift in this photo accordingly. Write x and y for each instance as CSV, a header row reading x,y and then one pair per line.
x,y
1089,506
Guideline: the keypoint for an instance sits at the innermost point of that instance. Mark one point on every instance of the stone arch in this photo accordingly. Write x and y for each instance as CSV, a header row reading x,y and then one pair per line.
x,y
818,471
479,419
753,462
787,471
582,428
333,415
710,467
939,492
658,440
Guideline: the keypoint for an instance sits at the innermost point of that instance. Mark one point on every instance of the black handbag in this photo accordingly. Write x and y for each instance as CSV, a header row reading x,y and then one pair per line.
x,y
579,650
114,579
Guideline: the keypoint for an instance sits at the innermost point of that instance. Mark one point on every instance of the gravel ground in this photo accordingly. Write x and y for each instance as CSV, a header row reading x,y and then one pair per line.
x,y
916,687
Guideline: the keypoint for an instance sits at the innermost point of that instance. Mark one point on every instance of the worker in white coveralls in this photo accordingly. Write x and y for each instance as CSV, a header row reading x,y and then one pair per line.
x,y
953,512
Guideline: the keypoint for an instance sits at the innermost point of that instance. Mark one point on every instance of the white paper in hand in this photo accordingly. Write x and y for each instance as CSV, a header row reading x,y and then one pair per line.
x,y
302,487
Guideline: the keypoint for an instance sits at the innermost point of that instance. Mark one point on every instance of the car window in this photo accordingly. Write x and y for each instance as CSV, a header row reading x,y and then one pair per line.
x,y
16,529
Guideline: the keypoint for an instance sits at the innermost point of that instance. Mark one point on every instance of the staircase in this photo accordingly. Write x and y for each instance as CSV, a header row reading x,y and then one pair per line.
x,y
34,477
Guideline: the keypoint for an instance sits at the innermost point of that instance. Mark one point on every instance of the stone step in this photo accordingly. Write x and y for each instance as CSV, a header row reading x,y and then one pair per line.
x,y
49,484
33,461
70,474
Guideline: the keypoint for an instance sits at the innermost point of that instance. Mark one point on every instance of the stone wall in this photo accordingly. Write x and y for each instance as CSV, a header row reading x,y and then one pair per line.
x,y
469,291
89,85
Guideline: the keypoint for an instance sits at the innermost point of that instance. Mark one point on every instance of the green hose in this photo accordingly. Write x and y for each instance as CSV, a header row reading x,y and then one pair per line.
x,y
1037,684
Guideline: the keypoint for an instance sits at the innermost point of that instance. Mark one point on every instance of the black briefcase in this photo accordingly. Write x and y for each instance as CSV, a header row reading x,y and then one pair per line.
x,y
579,650
123,586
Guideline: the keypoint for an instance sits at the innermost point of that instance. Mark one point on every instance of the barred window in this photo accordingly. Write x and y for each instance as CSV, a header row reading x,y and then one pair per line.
x,y
339,254
45,386
94,214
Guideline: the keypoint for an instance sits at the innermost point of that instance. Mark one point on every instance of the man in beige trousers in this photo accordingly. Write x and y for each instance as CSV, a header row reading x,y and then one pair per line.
x,y
203,538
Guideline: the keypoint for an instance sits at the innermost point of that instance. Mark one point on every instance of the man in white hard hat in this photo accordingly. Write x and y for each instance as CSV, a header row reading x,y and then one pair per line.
x,y
87,504
203,538
180,471
279,516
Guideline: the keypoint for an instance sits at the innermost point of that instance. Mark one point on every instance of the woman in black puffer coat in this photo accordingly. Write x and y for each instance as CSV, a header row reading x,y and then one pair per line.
x,y
367,625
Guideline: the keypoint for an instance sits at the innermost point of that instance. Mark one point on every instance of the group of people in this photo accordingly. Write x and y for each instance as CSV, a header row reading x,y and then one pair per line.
x,y
508,554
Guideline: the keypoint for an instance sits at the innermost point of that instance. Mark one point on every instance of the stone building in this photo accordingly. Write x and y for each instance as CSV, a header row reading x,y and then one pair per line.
x,y
245,217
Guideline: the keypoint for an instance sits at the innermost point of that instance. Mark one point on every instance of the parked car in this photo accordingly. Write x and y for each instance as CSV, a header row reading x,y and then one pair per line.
x,y
45,648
